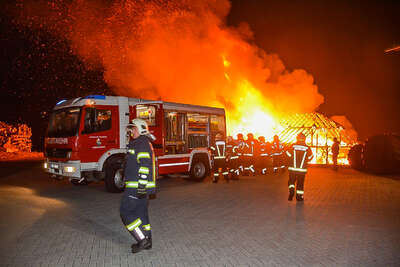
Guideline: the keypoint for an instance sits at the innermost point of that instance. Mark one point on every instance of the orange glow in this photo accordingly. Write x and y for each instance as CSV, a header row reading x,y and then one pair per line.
x,y
252,114
183,51
179,51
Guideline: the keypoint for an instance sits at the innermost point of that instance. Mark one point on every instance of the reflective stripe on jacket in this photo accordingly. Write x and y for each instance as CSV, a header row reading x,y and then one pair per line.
x,y
299,155
140,165
219,149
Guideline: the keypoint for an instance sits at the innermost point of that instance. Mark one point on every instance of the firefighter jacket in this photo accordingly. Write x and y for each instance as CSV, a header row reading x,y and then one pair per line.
x,y
231,150
251,147
263,149
335,148
219,150
241,147
299,154
277,148
140,165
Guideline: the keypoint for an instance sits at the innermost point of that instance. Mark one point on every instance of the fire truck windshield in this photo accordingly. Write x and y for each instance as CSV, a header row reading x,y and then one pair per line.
x,y
64,122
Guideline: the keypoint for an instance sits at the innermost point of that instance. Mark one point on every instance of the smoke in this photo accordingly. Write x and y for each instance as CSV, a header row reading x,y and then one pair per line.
x,y
349,134
180,51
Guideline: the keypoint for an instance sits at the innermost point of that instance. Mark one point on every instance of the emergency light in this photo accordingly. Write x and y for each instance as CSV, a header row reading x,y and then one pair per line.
x,y
60,102
99,97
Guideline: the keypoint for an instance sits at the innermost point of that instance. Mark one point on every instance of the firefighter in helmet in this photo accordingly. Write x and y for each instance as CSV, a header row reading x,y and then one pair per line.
x,y
263,154
219,159
299,155
335,152
232,158
140,183
240,148
277,151
249,156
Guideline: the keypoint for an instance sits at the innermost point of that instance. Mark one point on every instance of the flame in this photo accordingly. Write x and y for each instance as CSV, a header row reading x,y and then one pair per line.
x,y
180,51
252,114
171,50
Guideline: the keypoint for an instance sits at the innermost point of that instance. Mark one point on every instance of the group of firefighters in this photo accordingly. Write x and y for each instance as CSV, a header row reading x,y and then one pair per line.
x,y
234,158
246,157
251,156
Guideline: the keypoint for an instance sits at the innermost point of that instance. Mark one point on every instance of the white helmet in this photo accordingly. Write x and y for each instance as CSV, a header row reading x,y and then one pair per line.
x,y
142,127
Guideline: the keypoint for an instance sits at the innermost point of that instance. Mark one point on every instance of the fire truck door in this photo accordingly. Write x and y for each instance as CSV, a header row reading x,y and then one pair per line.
x,y
99,132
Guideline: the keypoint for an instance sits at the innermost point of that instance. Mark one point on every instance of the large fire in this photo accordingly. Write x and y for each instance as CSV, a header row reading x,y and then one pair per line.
x,y
180,51
251,115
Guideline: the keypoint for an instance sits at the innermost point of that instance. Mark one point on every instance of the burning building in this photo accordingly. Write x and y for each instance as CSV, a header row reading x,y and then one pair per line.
x,y
15,139
184,51
320,132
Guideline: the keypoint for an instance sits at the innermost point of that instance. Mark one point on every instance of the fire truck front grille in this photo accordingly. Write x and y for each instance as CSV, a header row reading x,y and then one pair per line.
x,y
57,152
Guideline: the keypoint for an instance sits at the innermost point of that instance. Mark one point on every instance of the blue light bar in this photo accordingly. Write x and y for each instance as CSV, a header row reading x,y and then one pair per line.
x,y
60,102
100,97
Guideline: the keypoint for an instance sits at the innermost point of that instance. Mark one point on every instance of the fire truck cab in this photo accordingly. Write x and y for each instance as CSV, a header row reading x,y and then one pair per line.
x,y
86,138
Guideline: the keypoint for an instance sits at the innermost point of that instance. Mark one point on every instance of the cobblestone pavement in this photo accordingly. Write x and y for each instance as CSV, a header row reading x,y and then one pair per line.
x,y
348,219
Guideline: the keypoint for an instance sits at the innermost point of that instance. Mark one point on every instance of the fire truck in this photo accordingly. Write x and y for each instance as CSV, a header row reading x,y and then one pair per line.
x,y
86,138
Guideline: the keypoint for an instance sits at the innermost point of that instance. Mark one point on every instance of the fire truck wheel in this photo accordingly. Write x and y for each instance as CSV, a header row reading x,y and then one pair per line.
x,y
199,169
114,179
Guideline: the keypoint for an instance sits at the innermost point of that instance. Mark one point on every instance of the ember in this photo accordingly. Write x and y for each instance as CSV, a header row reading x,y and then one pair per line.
x,y
15,139
182,51
179,51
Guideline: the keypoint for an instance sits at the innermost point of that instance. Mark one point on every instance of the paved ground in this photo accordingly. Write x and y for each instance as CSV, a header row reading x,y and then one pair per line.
x,y
348,219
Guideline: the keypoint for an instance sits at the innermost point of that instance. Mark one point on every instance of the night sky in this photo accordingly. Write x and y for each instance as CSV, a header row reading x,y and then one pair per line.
x,y
341,43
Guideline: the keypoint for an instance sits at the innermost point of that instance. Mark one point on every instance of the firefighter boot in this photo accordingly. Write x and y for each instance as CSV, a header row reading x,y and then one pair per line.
x,y
299,197
149,238
291,194
216,177
226,178
141,245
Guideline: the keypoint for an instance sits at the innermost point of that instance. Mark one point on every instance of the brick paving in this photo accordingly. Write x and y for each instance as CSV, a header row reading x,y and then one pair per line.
x,y
348,219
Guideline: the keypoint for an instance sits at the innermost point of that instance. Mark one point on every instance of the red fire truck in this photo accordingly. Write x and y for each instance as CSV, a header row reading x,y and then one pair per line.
x,y
86,137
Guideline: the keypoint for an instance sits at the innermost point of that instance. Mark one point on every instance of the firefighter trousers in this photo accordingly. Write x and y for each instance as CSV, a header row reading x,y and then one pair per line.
x,y
240,163
249,165
278,162
134,215
220,165
233,166
296,180
334,159
262,164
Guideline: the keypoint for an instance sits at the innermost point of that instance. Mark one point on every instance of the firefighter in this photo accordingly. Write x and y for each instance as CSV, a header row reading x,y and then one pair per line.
x,y
240,148
233,158
219,159
277,151
263,154
335,153
250,154
268,149
299,154
140,182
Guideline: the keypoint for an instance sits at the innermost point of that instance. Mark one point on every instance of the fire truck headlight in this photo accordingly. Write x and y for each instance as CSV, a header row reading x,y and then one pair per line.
x,y
45,165
69,169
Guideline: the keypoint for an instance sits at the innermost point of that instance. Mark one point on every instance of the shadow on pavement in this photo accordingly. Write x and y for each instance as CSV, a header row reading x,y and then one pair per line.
x,y
8,168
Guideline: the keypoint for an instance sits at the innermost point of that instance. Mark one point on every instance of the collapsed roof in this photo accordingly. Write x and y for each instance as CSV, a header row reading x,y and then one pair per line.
x,y
319,129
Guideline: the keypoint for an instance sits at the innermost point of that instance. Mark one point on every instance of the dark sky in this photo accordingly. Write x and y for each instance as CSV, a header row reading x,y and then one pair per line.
x,y
341,43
